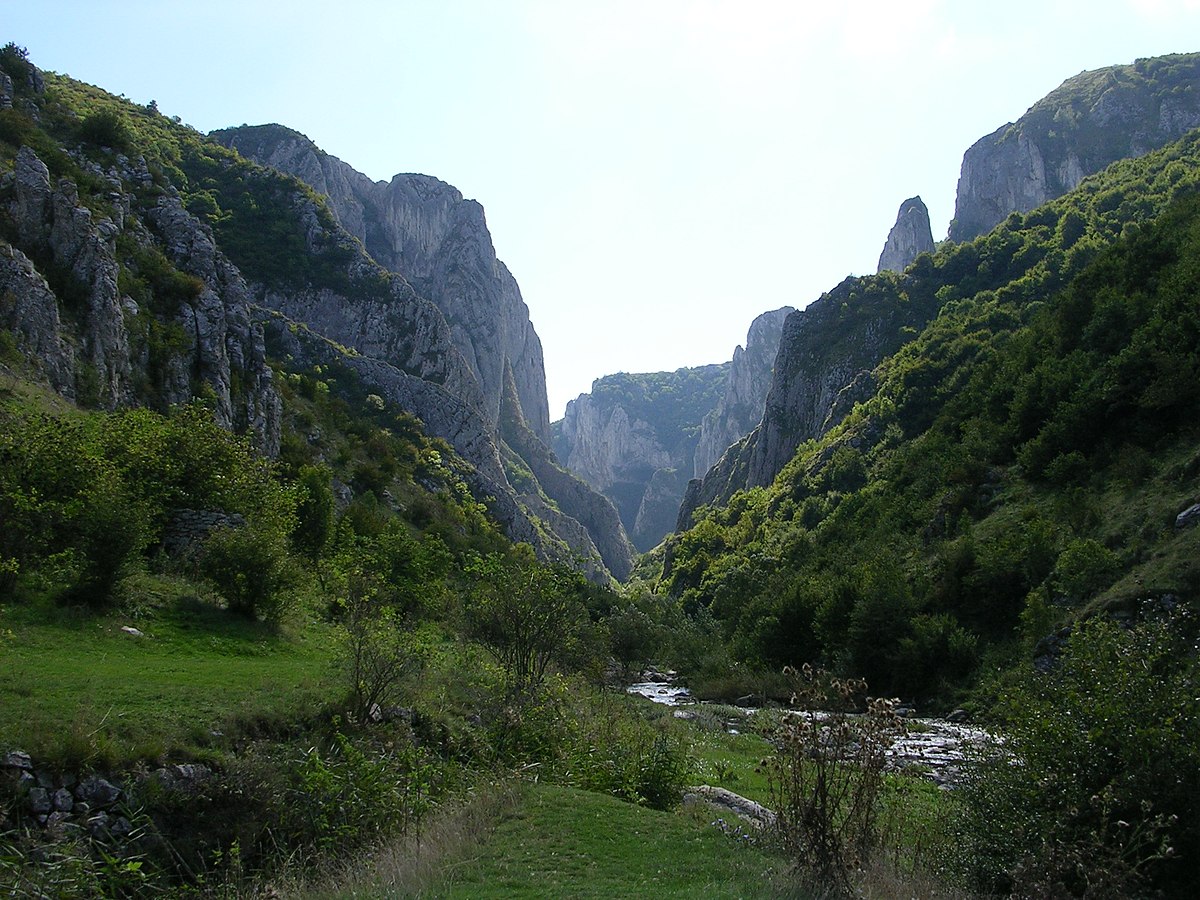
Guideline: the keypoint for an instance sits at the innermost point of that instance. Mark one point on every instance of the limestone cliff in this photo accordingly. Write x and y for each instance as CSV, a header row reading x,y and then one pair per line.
x,y
115,289
600,531
1090,121
740,409
633,438
638,439
451,315
423,228
828,350
128,336
909,238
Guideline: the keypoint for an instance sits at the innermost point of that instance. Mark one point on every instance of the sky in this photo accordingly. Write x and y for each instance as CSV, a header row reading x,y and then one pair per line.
x,y
655,173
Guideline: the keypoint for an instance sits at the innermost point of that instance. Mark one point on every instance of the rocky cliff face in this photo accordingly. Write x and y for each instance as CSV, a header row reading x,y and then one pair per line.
x,y
828,350
909,238
600,531
1089,122
617,454
633,438
638,439
113,349
115,290
424,229
740,409
449,339
826,354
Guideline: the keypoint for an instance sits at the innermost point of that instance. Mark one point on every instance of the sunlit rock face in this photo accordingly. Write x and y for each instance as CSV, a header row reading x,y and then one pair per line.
x,y
1091,121
92,354
745,393
624,456
639,438
424,229
449,340
909,238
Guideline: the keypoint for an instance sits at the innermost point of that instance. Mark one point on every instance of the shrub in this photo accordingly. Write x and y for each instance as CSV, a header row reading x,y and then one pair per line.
x,y
346,796
616,752
1093,791
315,512
14,62
377,651
524,614
251,568
1083,568
106,128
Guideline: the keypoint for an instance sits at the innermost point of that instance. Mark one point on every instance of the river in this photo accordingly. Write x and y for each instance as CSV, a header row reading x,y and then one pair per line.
x,y
935,748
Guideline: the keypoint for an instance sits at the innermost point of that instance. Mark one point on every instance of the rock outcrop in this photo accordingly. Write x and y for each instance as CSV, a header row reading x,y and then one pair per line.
x,y
449,339
1089,122
64,256
633,438
827,352
745,391
909,238
638,439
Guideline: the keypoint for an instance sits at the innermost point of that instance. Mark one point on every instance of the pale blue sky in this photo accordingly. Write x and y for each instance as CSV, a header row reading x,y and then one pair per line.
x,y
655,174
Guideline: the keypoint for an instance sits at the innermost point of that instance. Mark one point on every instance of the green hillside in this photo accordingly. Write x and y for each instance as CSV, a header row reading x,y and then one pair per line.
x,y
1021,463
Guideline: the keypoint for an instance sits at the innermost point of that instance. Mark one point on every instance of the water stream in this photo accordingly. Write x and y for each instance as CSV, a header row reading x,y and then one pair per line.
x,y
934,747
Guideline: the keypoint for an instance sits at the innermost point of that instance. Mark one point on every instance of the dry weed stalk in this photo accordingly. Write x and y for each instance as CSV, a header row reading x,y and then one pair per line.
x,y
827,772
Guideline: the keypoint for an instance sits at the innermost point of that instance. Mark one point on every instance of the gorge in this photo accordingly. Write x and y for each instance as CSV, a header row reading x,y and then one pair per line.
x,y
285,517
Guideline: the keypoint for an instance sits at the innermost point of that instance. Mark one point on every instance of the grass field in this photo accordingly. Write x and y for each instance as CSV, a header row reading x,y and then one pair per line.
x,y
78,691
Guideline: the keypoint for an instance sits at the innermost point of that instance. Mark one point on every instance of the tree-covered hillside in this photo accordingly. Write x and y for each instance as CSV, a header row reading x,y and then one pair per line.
x,y
1021,463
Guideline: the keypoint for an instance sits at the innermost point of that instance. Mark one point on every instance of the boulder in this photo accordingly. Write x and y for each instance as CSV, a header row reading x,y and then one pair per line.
x,y
1189,516
39,801
97,792
17,759
748,810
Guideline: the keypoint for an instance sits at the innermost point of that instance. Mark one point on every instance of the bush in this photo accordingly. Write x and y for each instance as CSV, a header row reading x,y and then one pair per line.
x,y
346,796
525,614
1092,792
377,649
106,128
250,566
14,62
615,751
1083,568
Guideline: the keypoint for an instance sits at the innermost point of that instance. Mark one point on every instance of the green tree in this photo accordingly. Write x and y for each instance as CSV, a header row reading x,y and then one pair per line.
x,y
524,613
107,128
252,569
14,62
315,514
